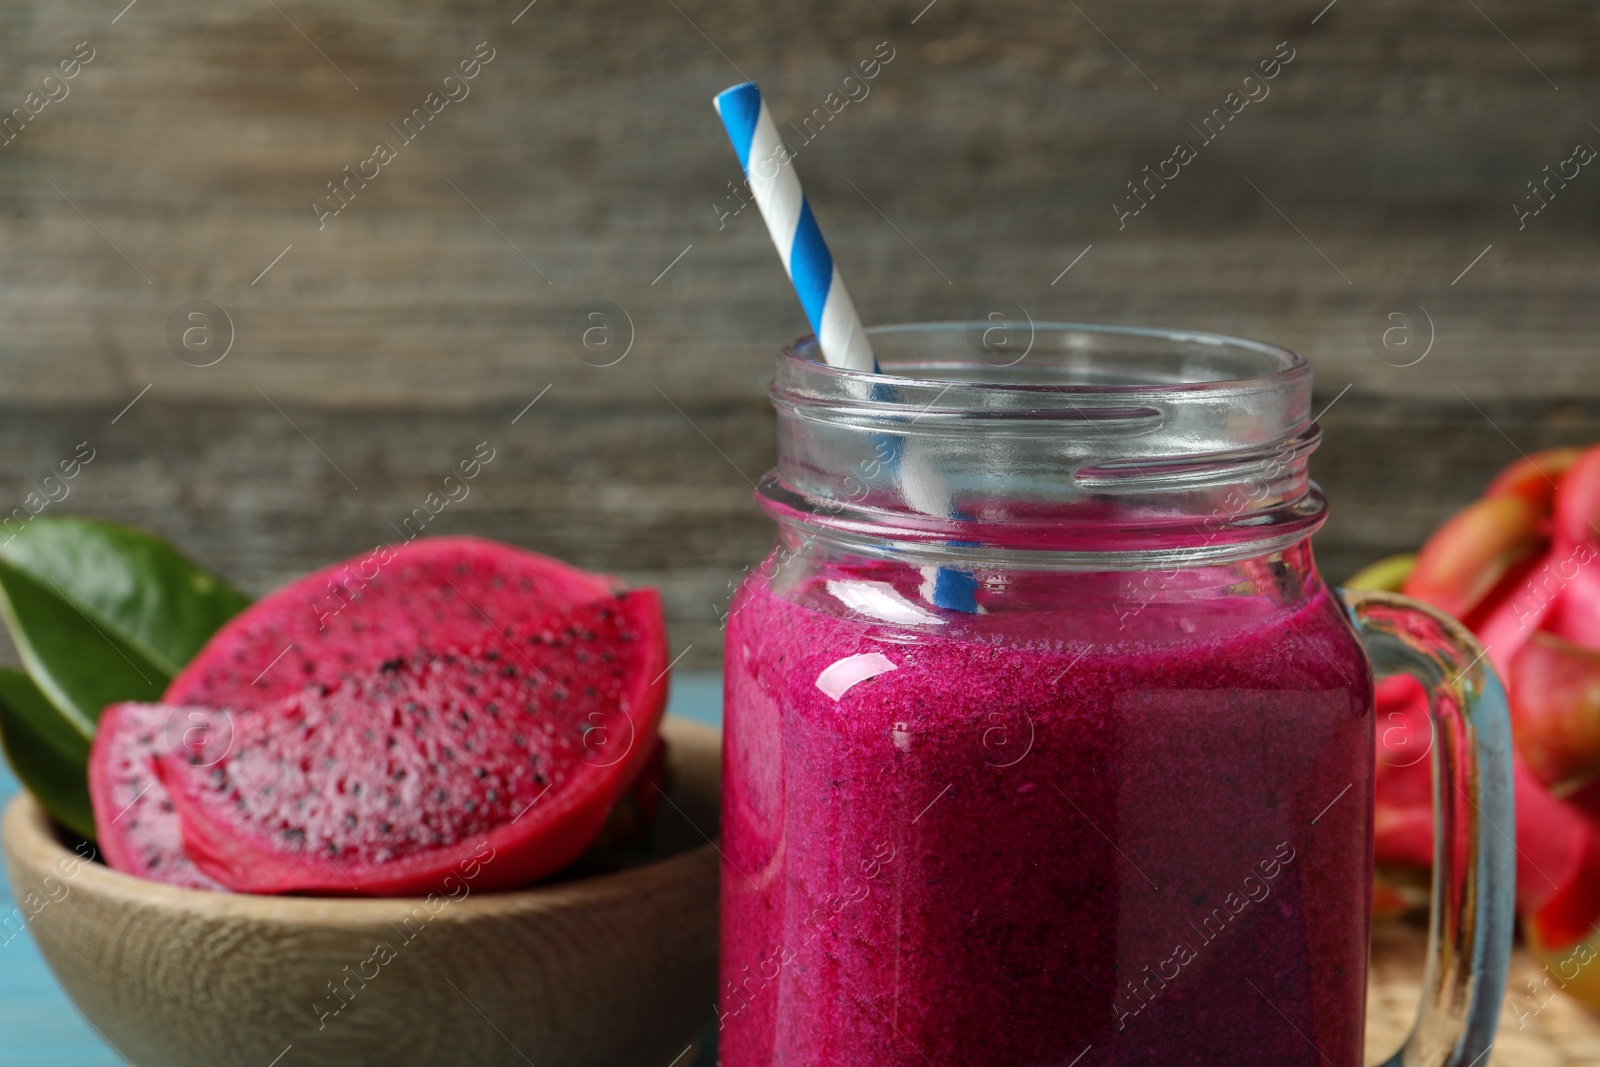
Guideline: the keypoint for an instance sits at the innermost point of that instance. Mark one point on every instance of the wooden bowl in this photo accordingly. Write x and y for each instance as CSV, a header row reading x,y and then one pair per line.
x,y
612,970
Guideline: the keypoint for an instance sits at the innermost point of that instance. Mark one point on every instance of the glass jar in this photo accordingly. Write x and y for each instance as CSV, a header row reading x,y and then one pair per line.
x,y
1045,742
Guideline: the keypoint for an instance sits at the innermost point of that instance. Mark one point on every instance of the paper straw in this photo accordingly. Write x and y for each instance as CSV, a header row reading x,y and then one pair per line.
x,y
840,334
783,205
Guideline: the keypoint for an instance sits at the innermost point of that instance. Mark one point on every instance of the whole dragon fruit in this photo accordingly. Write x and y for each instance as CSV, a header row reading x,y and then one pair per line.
x,y
1518,567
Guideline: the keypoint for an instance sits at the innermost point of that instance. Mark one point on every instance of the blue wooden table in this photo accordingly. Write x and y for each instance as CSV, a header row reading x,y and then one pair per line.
x,y
39,1027
37,1024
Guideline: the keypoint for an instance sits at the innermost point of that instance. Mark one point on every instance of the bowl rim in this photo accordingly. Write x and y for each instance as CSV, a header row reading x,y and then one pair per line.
x,y
30,840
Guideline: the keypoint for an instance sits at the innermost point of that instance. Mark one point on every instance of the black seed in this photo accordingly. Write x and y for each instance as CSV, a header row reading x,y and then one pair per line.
x,y
480,772
349,822
385,829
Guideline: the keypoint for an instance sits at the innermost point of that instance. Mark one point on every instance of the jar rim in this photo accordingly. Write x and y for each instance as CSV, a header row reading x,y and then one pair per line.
x,y
1239,364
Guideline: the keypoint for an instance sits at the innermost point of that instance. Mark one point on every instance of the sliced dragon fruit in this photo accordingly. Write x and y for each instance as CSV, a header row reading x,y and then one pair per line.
x,y
428,598
137,827
495,767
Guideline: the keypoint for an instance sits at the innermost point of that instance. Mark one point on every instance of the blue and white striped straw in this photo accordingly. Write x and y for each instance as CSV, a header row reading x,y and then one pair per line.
x,y
783,205
840,334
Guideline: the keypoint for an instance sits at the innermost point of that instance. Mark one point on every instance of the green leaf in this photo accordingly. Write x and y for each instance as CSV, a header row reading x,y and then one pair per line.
x,y
100,613
47,754
20,697
79,665
1389,573
129,583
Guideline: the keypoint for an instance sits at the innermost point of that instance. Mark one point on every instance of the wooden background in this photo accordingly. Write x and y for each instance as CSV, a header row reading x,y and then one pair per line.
x,y
378,351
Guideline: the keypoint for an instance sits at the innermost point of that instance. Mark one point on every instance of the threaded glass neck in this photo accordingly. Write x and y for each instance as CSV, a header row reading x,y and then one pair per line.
x,y
1053,445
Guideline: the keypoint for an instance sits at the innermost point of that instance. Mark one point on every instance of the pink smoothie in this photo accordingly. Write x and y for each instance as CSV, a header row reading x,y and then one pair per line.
x,y
1023,838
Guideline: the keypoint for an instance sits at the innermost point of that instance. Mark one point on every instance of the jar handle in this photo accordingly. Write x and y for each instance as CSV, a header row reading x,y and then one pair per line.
x,y
1474,857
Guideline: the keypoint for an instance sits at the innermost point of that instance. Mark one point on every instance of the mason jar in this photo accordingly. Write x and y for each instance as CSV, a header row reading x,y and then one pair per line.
x,y
1047,744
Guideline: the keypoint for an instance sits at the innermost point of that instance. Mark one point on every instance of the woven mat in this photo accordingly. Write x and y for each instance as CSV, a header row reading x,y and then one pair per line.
x,y
1561,1033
